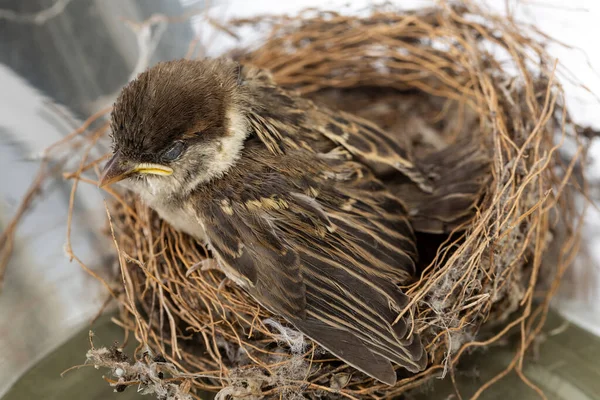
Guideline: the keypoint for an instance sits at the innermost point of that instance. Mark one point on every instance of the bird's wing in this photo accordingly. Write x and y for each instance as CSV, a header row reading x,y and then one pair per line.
x,y
248,247
444,186
281,118
327,255
369,143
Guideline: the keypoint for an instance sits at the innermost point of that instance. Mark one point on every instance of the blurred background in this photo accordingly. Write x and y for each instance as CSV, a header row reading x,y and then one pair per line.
x,y
63,60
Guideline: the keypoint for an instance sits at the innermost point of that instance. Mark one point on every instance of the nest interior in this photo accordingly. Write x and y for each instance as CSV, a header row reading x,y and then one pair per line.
x,y
431,77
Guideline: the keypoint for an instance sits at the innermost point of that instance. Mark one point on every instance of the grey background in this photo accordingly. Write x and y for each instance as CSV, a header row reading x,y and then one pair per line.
x,y
60,61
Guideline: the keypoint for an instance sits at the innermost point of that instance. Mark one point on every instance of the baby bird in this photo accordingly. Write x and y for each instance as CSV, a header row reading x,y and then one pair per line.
x,y
288,198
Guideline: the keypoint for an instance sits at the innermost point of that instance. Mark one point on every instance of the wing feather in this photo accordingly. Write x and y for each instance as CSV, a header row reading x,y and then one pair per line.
x,y
324,253
282,119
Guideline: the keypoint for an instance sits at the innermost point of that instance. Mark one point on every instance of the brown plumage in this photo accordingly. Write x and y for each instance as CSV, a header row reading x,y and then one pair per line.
x,y
291,199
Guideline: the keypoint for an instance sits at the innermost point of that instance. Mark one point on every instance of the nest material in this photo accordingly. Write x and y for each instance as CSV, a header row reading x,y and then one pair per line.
x,y
431,77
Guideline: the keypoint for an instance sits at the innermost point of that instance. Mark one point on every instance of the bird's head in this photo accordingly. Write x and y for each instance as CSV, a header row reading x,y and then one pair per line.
x,y
177,125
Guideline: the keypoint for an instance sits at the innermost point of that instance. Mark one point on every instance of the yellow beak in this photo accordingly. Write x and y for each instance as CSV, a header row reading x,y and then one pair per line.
x,y
118,169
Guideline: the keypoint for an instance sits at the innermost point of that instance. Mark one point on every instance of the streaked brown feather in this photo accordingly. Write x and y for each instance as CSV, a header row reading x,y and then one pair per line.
x,y
280,114
444,186
463,170
347,264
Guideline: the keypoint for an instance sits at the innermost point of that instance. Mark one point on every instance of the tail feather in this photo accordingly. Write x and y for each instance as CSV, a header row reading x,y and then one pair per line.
x,y
459,175
414,359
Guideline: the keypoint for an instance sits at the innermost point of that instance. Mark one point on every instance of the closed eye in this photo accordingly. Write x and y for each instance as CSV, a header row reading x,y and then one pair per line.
x,y
174,152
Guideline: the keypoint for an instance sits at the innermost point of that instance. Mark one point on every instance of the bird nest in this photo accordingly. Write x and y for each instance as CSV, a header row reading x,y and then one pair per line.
x,y
431,77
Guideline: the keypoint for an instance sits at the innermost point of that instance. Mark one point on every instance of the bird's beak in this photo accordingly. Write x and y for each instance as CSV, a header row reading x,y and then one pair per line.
x,y
118,169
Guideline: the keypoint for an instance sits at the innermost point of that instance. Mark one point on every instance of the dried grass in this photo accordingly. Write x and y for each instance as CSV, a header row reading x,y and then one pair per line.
x,y
431,76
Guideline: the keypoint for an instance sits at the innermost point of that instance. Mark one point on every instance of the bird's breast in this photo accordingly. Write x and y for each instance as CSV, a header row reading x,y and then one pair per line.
x,y
180,217
184,221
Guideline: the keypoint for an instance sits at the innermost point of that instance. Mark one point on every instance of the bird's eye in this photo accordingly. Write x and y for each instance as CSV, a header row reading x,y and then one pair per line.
x,y
173,152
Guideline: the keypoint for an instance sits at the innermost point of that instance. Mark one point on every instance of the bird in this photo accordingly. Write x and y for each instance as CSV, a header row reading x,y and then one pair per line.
x,y
289,197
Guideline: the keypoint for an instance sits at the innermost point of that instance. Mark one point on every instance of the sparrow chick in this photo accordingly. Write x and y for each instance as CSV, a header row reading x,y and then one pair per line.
x,y
285,194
